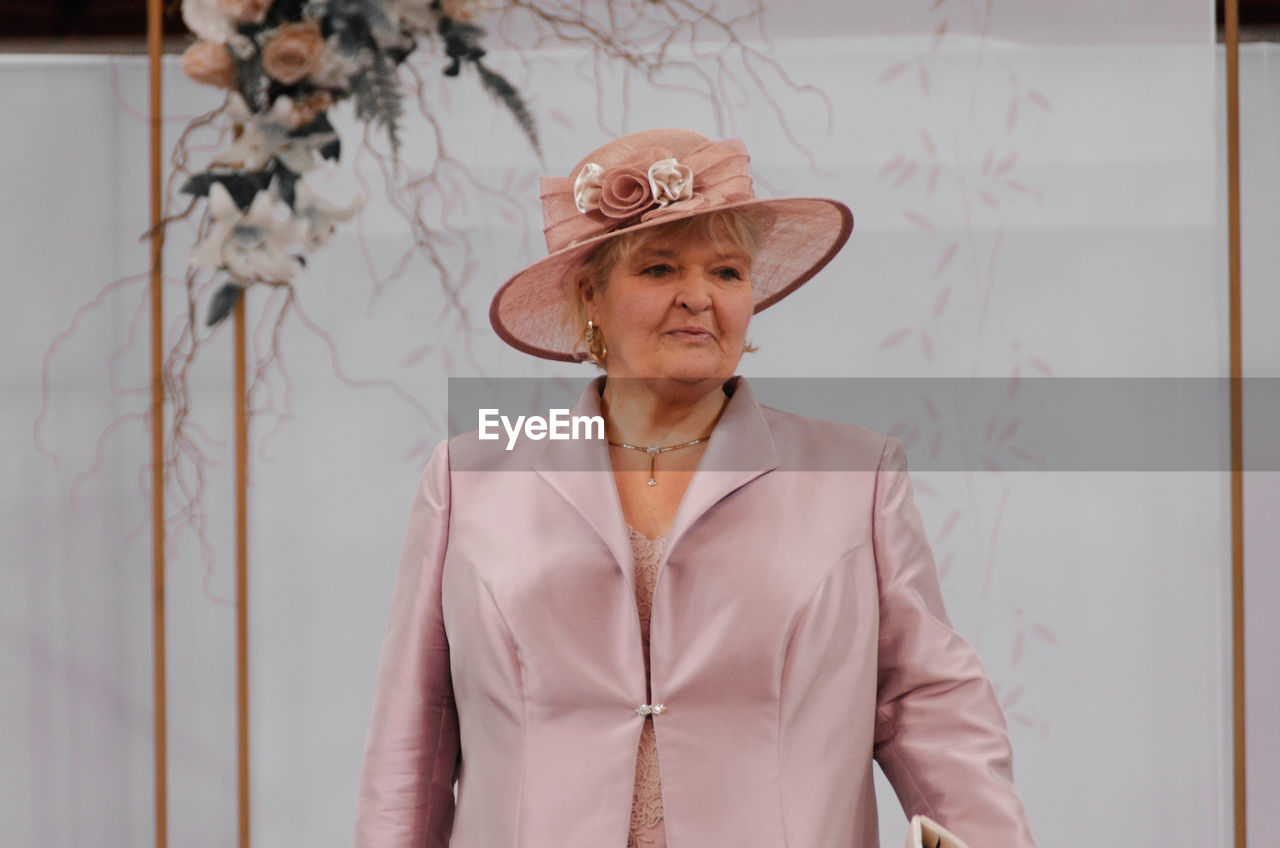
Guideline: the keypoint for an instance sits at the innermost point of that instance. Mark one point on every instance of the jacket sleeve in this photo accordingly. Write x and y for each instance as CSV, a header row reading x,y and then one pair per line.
x,y
940,735
412,752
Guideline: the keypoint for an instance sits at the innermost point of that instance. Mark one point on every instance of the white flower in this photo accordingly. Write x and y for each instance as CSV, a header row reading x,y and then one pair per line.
x,y
264,137
249,245
205,19
670,181
586,188
225,214
319,215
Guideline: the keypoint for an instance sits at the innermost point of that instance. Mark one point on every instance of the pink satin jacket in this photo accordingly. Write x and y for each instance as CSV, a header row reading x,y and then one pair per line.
x,y
797,632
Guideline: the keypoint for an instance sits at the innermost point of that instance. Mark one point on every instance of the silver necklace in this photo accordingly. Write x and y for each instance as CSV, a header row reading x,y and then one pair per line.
x,y
654,450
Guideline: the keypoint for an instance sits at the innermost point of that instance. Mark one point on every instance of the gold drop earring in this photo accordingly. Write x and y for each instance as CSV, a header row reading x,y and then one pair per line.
x,y
595,339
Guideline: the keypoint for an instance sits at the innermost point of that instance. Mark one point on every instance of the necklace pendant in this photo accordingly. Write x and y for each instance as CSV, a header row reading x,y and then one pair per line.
x,y
654,450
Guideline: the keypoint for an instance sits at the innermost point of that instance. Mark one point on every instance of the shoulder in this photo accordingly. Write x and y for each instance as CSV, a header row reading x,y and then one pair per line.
x,y
812,444
445,481
468,452
492,451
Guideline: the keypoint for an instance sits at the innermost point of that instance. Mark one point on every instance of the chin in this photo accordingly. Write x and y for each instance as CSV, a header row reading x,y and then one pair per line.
x,y
691,380
696,372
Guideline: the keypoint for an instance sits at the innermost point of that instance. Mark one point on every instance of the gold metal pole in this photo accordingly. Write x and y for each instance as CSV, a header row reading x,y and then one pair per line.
x,y
242,572
155,35
1237,420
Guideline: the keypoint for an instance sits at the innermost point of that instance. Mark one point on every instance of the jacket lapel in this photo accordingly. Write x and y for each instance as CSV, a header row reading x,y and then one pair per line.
x,y
580,471
740,450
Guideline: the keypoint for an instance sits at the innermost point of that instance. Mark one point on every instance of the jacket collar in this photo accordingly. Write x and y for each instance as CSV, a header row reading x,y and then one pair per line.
x,y
741,449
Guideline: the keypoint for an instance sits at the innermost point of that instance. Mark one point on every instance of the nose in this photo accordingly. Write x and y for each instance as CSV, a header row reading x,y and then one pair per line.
x,y
695,292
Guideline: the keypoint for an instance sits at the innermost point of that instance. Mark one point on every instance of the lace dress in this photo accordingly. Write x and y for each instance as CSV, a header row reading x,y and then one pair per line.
x,y
646,805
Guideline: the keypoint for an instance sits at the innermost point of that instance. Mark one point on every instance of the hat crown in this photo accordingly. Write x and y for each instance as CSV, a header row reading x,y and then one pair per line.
x,y
639,177
628,149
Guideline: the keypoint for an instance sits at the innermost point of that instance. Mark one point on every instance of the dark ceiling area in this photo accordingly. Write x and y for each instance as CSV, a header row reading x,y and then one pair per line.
x,y
50,20
1259,19
81,18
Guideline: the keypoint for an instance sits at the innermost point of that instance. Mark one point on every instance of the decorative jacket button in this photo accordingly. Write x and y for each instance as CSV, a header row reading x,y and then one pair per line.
x,y
650,709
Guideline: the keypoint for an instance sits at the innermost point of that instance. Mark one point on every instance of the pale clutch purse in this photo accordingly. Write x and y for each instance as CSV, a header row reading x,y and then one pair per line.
x,y
924,832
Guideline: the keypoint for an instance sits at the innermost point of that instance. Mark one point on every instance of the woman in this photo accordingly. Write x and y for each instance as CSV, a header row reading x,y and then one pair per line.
x,y
706,640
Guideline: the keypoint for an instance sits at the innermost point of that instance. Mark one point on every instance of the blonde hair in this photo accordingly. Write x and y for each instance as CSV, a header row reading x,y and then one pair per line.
x,y
741,228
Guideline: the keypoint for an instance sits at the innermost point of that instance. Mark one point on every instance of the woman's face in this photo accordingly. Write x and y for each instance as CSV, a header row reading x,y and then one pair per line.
x,y
675,309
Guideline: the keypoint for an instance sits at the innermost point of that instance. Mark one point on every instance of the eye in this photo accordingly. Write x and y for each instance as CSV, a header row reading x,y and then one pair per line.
x,y
729,274
656,271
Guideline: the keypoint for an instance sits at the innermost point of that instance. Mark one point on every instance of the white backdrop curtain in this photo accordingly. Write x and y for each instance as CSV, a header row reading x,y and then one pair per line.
x,y
1080,158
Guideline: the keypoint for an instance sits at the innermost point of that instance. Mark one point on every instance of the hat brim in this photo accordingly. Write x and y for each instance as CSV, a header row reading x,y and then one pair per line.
x,y
801,237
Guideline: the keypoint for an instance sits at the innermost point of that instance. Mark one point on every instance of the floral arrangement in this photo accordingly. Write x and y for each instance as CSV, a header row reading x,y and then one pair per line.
x,y
285,64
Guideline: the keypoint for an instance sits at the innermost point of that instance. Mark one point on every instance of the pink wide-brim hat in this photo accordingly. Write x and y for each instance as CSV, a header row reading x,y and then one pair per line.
x,y
640,181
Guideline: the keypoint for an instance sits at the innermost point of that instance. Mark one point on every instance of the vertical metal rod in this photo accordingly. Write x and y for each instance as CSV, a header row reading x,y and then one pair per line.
x,y
1237,421
242,573
155,36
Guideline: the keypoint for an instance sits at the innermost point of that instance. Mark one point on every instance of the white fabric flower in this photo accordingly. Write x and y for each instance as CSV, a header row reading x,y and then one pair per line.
x,y
586,188
670,181
319,215
249,245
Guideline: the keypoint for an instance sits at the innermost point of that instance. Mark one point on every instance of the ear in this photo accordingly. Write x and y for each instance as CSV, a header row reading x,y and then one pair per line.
x,y
587,292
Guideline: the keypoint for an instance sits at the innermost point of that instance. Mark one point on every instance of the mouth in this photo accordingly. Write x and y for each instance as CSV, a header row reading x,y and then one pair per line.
x,y
691,334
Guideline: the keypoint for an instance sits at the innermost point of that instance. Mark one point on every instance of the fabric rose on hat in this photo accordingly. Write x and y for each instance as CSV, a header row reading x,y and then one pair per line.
x,y
624,192
209,63
586,188
294,52
669,181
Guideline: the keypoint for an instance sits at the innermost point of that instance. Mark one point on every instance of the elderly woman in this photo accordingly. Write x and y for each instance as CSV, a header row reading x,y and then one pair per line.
x,y
702,629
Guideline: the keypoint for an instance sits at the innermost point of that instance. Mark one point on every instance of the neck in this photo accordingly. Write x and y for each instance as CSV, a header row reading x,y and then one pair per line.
x,y
660,412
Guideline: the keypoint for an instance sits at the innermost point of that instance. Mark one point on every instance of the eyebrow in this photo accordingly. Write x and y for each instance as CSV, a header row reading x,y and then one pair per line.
x,y
663,253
